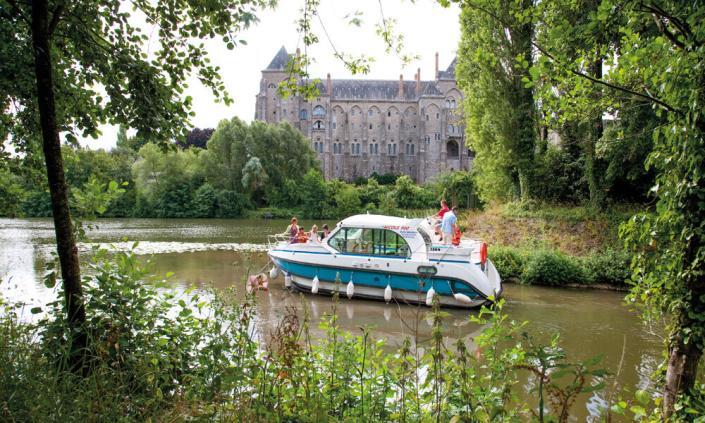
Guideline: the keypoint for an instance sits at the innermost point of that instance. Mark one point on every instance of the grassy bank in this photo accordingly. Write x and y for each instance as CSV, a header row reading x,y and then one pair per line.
x,y
552,244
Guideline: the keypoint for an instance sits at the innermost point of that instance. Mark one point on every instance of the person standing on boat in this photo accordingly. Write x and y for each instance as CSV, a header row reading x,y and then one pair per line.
x,y
326,231
449,225
292,230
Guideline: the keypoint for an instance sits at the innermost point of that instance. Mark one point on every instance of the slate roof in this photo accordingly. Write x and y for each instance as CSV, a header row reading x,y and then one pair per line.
x,y
450,72
363,89
280,60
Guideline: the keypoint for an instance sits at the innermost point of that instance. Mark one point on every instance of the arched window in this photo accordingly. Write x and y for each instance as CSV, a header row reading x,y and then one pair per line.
x,y
452,104
334,122
319,111
452,149
303,114
450,129
412,149
318,125
271,86
447,104
315,146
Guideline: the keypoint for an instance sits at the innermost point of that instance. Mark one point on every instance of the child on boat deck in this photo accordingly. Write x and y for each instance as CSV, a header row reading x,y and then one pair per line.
x,y
301,236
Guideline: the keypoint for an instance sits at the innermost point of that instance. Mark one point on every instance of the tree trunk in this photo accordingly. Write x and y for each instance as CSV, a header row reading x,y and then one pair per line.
x,y
684,355
681,372
65,240
591,138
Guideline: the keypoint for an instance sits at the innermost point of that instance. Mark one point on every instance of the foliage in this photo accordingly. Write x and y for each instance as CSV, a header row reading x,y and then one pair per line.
x,y
551,268
509,261
196,138
610,267
102,73
283,153
11,193
347,201
493,58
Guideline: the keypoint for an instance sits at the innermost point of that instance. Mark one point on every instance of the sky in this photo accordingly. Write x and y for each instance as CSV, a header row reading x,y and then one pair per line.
x,y
426,26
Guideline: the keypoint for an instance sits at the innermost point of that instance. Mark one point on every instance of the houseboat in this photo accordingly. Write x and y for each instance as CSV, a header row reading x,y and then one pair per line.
x,y
388,258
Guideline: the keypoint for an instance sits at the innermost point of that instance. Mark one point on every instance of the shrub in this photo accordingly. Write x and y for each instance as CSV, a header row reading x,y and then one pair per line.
x,y
552,268
610,267
509,261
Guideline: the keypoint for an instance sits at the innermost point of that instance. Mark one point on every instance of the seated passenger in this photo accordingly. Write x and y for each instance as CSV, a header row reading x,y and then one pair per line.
x,y
301,236
313,235
326,231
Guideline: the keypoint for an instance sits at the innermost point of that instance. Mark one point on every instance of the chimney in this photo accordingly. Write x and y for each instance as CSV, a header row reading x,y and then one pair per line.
x,y
401,85
329,86
436,74
418,81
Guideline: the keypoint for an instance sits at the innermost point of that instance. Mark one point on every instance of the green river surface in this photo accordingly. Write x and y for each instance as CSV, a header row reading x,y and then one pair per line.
x,y
201,252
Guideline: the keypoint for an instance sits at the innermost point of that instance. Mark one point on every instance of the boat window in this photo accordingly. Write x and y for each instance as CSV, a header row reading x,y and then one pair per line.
x,y
373,242
463,288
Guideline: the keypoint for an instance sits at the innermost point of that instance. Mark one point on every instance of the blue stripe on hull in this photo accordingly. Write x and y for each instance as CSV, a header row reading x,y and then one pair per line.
x,y
377,279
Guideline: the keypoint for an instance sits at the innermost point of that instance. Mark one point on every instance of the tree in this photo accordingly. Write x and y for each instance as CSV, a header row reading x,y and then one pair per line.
x,y
283,153
253,176
196,137
69,66
494,59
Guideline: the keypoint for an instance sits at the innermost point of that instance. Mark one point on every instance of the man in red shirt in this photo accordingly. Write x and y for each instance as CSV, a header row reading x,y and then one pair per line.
x,y
439,216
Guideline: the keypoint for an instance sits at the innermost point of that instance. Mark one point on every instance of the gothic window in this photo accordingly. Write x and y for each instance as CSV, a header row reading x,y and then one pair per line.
x,y
412,149
389,113
447,104
450,129
315,146
438,115
271,86
452,104
303,114
319,111
426,117
389,126
284,111
318,125
372,149
370,124
369,112
452,149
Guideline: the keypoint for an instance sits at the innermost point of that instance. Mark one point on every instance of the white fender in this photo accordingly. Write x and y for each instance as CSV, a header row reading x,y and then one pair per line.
x,y
429,296
388,293
314,285
274,273
462,298
287,280
350,289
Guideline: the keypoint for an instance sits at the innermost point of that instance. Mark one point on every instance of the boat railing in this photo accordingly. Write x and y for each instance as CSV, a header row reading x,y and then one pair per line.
x,y
274,240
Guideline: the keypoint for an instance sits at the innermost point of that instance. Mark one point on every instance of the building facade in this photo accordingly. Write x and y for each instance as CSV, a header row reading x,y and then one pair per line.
x,y
361,127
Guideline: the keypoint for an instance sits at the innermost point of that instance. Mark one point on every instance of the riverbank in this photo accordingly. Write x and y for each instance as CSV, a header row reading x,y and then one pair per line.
x,y
553,244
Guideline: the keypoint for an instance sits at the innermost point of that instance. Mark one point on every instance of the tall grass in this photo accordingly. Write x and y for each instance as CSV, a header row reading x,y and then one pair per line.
x,y
154,355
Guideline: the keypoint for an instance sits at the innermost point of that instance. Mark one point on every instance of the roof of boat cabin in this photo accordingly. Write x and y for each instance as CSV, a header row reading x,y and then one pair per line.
x,y
380,221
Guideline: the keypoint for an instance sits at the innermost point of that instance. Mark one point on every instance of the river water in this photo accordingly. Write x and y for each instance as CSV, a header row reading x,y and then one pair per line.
x,y
205,252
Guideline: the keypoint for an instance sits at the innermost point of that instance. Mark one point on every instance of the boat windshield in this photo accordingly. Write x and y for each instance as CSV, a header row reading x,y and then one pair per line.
x,y
366,241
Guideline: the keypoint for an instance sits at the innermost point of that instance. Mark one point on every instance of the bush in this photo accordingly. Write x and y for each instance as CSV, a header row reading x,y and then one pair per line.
x,y
610,267
509,261
552,268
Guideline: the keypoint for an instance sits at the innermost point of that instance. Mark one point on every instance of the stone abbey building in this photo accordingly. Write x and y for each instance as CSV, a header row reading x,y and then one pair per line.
x,y
359,127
